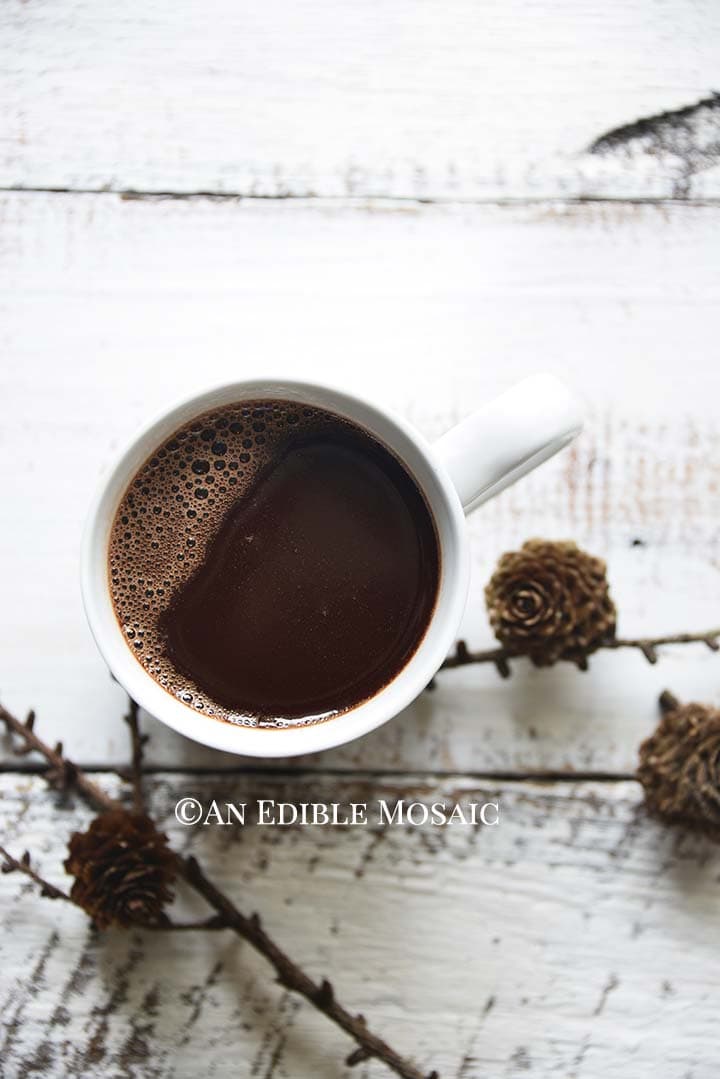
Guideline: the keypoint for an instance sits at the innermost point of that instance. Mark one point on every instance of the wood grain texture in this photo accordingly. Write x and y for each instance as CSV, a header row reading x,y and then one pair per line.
x,y
111,308
573,939
502,99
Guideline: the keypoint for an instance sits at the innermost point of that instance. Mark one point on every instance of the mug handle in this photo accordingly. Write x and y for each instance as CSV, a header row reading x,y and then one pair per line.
x,y
508,437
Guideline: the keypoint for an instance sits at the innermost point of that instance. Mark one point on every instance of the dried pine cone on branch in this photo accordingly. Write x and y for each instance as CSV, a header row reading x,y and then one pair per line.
x,y
680,767
123,869
550,601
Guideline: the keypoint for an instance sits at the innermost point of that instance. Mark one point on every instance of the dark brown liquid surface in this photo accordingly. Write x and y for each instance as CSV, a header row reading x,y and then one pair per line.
x,y
295,568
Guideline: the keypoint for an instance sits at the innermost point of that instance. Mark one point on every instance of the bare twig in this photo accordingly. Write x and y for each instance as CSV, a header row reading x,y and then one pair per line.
x,y
648,645
63,772
293,978
227,915
462,656
22,865
138,741
501,657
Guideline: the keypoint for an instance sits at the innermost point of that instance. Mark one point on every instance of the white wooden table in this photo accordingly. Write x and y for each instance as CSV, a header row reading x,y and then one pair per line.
x,y
423,202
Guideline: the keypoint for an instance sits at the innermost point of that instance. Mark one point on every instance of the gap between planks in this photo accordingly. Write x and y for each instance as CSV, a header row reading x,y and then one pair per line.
x,y
369,775
361,201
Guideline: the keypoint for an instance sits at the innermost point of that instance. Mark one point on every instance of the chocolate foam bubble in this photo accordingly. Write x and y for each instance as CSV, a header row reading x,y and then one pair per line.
x,y
172,508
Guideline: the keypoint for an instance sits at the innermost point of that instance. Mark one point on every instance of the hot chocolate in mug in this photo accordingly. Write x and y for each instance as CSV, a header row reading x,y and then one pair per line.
x,y
452,476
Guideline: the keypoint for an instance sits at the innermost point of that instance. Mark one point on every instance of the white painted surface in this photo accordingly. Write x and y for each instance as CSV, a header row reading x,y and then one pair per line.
x,y
110,309
588,927
481,100
574,939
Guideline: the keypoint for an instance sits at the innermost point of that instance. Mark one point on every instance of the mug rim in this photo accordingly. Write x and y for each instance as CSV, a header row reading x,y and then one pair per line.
x,y
363,717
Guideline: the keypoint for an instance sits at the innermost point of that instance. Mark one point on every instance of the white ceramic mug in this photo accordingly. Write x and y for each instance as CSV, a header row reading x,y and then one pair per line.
x,y
472,462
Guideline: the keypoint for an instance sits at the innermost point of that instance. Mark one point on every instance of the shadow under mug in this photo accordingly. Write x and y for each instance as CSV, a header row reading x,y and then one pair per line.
x,y
482,455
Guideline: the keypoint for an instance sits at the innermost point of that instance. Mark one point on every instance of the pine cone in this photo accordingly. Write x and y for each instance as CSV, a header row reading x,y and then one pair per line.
x,y
123,868
680,767
550,601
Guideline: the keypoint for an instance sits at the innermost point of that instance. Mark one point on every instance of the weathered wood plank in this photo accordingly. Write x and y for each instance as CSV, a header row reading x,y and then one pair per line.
x,y
495,100
111,308
573,939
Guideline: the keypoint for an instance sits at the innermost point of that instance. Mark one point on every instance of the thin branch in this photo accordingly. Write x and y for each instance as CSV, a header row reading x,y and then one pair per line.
x,y
138,741
322,996
461,657
22,865
648,646
63,772
227,914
